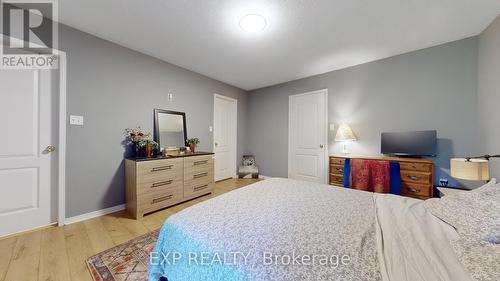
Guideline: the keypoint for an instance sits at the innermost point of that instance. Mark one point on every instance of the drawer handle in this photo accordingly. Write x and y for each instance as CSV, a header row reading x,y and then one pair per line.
x,y
198,188
340,170
414,190
413,178
196,163
161,199
161,183
200,175
162,168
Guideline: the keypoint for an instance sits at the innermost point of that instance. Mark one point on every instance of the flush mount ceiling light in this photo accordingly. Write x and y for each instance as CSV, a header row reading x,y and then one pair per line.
x,y
253,23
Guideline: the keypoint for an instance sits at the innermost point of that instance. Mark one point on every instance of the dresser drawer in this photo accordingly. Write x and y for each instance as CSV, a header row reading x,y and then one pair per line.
x,y
336,179
416,177
418,190
158,170
172,181
198,163
160,199
415,167
198,187
199,174
337,169
337,161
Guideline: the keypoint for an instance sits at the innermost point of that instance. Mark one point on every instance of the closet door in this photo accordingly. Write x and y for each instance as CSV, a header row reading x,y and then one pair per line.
x,y
27,150
307,139
225,129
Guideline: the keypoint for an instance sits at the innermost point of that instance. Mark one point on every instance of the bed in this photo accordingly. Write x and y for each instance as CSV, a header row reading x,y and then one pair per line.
x,y
282,229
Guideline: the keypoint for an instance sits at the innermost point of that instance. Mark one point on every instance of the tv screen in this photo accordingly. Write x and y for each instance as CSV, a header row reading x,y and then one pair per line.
x,y
416,143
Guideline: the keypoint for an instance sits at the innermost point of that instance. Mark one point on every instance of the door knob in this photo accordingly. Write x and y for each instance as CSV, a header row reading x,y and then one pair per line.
x,y
50,148
216,144
320,146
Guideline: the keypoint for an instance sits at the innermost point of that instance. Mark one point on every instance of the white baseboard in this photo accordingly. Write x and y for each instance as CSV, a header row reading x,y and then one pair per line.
x,y
110,210
95,214
262,177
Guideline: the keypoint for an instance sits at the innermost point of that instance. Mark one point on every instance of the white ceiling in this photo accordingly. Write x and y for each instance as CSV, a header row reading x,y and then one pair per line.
x,y
302,38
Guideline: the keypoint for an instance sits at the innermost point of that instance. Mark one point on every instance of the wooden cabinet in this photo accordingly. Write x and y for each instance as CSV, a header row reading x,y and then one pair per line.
x,y
417,175
337,171
153,184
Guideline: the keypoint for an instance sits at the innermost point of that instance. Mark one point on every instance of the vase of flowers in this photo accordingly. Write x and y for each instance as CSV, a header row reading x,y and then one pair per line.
x,y
148,145
139,140
133,137
193,143
135,134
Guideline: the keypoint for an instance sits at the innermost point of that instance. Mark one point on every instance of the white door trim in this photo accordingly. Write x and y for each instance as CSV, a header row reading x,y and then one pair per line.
x,y
61,181
290,133
234,150
61,191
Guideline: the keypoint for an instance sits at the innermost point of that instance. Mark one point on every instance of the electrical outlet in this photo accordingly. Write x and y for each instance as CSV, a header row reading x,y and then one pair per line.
x,y
210,129
76,120
443,182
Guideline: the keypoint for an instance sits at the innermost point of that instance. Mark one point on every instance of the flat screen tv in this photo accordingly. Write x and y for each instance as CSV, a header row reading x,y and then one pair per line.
x,y
415,143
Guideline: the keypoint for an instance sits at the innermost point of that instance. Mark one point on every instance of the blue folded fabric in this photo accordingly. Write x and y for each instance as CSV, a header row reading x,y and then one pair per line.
x,y
347,172
395,177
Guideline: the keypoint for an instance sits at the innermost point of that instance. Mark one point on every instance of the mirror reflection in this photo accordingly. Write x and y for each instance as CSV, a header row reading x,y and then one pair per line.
x,y
170,129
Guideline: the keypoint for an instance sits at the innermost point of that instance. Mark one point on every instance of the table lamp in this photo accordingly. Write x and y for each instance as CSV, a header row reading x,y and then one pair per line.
x,y
470,169
345,134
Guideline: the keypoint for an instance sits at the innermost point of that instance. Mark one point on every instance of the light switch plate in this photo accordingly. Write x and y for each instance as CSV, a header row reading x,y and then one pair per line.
x,y
76,120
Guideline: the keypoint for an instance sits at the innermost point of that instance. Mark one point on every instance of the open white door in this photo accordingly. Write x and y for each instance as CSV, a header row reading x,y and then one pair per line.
x,y
27,157
225,130
307,136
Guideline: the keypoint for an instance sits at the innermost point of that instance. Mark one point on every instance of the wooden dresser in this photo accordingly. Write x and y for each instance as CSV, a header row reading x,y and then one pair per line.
x,y
156,183
417,175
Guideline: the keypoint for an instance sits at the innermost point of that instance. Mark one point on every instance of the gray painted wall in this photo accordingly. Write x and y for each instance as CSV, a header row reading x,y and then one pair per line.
x,y
115,88
434,88
489,92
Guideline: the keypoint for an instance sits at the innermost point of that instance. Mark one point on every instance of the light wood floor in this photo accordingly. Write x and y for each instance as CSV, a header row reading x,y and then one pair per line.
x,y
59,253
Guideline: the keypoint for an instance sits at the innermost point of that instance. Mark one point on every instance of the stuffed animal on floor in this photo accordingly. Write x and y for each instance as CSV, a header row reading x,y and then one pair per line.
x,y
248,169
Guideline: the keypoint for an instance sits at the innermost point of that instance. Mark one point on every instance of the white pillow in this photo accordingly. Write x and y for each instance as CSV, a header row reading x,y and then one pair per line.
x,y
492,182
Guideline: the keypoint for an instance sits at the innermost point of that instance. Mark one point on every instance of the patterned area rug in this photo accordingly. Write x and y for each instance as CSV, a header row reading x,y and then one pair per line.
x,y
128,261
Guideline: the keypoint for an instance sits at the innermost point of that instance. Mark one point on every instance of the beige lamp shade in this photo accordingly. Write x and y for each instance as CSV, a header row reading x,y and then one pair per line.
x,y
345,133
474,169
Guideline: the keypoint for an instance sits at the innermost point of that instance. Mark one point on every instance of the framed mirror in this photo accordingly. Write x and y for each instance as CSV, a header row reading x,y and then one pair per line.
x,y
170,129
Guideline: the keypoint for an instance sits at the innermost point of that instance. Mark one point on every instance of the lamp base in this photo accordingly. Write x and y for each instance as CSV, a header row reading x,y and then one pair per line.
x,y
345,150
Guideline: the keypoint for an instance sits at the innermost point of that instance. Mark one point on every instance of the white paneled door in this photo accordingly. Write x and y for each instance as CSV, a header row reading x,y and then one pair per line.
x,y
27,151
307,139
225,128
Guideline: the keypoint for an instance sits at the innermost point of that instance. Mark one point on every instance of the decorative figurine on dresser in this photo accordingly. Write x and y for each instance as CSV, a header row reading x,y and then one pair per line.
x,y
174,176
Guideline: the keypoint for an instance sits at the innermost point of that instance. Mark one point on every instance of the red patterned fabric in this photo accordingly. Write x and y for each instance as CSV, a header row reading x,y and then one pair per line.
x,y
370,175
